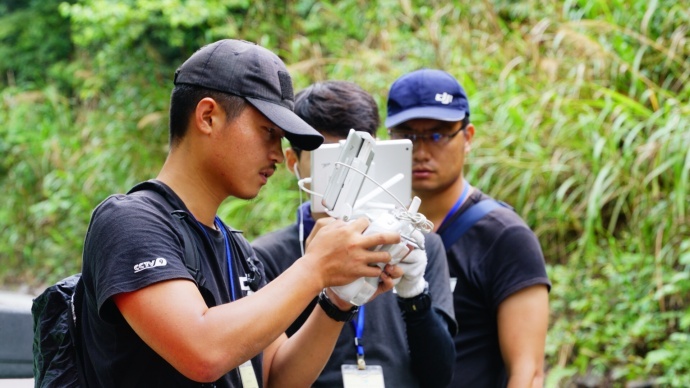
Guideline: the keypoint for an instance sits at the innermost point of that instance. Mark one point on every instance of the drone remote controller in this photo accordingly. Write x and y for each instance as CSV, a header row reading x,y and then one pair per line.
x,y
340,198
344,184
383,220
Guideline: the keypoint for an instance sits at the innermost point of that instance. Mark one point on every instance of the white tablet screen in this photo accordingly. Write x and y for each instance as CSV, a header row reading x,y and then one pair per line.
x,y
391,157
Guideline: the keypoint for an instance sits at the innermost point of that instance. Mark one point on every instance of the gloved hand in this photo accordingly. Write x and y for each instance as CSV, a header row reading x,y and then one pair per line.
x,y
412,283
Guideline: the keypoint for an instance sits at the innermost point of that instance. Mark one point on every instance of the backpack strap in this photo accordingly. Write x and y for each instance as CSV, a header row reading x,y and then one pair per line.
x,y
191,253
191,258
75,305
467,219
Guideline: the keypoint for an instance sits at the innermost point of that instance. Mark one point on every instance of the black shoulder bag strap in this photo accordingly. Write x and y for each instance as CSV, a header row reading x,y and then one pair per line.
x,y
467,219
191,252
75,305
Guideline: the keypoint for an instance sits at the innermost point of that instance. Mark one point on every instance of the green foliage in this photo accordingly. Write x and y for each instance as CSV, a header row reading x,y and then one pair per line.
x,y
29,55
580,108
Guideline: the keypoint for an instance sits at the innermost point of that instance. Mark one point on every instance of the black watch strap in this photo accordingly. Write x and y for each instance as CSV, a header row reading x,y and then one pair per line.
x,y
417,304
333,311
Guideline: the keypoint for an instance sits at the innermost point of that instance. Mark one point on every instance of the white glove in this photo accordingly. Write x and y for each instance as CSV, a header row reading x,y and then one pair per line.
x,y
418,237
412,282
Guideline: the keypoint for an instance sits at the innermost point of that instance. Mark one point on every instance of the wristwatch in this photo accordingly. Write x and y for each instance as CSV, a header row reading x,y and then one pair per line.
x,y
417,304
333,311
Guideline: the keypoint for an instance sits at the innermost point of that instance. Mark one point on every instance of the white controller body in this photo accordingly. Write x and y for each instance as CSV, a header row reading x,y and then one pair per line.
x,y
340,198
382,220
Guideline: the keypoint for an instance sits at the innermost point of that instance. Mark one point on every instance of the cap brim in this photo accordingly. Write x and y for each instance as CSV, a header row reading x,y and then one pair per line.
x,y
426,112
300,134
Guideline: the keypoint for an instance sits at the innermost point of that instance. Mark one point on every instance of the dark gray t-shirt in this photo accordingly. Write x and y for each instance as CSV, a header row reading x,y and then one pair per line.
x,y
133,242
495,258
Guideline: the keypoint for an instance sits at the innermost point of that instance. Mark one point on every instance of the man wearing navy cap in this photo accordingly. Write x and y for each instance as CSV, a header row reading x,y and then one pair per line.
x,y
498,276
152,316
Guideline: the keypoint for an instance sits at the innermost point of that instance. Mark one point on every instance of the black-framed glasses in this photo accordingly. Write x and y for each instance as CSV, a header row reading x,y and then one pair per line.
x,y
435,138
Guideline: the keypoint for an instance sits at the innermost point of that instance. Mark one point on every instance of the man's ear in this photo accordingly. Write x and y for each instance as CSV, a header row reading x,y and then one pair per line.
x,y
291,160
207,114
469,135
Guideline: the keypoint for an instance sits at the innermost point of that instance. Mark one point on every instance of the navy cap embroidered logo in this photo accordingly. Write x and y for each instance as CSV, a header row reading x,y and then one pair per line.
x,y
444,98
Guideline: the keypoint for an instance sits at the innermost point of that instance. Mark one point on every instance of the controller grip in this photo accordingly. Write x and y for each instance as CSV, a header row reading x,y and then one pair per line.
x,y
388,223
358,292
362,289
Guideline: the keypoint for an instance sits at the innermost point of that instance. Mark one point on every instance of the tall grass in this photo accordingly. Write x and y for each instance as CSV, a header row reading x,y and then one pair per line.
x,y
583,125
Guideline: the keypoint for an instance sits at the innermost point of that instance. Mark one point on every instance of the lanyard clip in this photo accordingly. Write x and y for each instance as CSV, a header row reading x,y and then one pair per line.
x,y
358,342
361,365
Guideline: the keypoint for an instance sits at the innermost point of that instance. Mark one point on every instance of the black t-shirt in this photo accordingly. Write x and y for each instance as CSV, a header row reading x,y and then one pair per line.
x,y
495,258
133,242
385,342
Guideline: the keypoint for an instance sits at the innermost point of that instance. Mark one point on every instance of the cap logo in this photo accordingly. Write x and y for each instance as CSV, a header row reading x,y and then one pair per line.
x,y
285,85
444,98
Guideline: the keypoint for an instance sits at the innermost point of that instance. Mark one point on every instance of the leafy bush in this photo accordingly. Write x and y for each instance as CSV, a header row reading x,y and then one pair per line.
x,y
29,55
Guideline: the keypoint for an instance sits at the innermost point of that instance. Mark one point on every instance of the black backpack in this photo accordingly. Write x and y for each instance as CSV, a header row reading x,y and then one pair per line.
x,y
57,363
56,344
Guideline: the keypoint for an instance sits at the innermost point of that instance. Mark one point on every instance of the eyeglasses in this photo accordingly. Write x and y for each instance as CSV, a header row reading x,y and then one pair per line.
x,y
434,138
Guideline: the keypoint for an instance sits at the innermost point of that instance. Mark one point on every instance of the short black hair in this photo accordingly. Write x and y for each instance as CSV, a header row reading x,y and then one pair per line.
x,y
184,99
334,107
465,122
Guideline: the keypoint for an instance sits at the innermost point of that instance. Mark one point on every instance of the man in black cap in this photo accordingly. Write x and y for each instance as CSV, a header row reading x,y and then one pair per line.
x,y
173,296
499,281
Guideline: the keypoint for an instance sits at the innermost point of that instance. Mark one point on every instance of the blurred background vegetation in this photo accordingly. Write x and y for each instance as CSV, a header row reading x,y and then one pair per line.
x,y
581,109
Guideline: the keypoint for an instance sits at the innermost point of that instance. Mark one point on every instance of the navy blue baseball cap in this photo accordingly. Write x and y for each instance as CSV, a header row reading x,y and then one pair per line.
x,y
426,94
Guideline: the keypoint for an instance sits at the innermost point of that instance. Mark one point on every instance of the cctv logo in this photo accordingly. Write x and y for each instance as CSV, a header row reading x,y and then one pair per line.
x,y
444,98
159,262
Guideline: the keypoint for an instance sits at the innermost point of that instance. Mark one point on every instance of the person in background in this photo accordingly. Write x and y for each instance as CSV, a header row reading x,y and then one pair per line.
x,y
413,348
496,263
146,320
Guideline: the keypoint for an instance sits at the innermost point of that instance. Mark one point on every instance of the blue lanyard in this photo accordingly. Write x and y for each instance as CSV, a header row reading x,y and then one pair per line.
x,y
465,190
359,333
228,255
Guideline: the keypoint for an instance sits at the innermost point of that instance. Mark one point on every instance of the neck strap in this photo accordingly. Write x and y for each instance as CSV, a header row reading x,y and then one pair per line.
x,y
458,203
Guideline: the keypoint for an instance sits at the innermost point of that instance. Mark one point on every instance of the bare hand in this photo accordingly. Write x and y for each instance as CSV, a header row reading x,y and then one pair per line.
x,y
338,253
388,278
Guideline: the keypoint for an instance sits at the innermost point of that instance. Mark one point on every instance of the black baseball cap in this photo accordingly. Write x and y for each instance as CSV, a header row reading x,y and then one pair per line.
x,y
426,94
253,72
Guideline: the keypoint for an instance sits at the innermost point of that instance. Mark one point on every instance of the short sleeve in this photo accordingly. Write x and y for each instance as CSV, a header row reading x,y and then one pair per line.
x,y
516,263
131,244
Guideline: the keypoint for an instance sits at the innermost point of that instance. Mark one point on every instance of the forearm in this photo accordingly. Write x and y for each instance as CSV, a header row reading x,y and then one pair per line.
x,y
205,343
522,326
260,318
298,362
526,375
432,351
